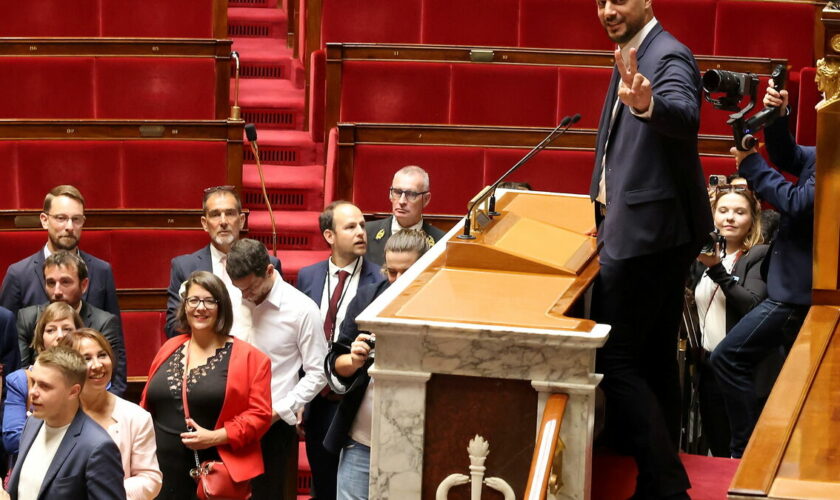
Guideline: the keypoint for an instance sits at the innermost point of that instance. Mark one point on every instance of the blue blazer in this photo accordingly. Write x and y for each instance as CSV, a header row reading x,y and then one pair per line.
x,y
180,269
656,192
86,465
9,353
24,284
311,279
789,261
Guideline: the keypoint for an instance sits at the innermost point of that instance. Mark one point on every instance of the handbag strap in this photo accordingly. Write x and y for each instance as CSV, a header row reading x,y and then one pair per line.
x,y
184,396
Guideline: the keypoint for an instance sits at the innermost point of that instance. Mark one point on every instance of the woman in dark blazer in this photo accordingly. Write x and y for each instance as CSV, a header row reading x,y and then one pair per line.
x,y
727,284
229,392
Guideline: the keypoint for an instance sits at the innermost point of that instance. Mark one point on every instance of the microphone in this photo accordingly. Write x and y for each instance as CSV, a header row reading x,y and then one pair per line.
x,y
251,134
559,130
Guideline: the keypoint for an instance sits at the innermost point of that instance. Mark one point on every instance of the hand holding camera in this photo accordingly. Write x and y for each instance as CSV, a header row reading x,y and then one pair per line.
x,y
360,349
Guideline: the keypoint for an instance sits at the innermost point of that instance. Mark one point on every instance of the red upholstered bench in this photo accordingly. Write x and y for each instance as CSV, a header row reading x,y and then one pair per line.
x,y
470,22
143,333
692,22
571,25
380,21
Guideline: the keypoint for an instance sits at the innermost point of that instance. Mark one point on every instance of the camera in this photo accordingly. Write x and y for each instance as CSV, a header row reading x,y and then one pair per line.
x,y
371,342
715,238
735,86
717,180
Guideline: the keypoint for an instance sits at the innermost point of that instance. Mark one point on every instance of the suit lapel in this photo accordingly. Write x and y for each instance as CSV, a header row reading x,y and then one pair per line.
x,y
604,129
318,284
64,449
205,260
38,268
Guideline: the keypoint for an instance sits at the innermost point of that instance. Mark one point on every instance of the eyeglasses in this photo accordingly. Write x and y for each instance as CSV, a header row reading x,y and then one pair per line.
x,y
209,303
396,194
62,219
213,189
731,188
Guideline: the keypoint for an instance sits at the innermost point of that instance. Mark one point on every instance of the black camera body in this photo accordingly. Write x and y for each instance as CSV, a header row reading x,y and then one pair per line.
x,y
735,86
715,238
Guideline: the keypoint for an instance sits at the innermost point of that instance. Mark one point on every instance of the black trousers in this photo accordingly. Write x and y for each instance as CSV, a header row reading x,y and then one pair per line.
x,y
641,298
276,447
317,418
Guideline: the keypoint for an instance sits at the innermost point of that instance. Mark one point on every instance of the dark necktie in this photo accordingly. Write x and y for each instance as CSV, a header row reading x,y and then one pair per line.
x,y
332,311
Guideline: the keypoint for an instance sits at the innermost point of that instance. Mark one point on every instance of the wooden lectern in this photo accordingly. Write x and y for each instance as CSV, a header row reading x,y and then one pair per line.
x,y
469,345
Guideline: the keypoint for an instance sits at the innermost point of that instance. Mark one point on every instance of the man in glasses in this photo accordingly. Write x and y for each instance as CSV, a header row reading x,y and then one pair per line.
x,y
409,195
63,218
222,220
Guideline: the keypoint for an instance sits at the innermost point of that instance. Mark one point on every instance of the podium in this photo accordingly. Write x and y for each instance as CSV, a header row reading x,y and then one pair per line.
x,y
470,343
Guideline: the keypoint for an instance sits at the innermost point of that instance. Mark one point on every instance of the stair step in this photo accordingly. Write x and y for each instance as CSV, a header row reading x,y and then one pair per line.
x,y
271,103
296,230
285,147
299,187
253,3
263,57
257,22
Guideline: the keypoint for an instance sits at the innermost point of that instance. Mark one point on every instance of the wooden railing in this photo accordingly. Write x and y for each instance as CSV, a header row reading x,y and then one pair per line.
x,y
547,459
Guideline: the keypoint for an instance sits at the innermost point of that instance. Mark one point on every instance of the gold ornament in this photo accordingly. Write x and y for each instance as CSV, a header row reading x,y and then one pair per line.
x,y
380,234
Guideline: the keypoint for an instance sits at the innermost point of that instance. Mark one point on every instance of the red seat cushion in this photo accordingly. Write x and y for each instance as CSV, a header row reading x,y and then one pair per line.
x,y
382,21
46,87
470,22
143,335
157,18
154,249
690,21
556,171
49,18
9,187
397,92
572,24
582,90
487,94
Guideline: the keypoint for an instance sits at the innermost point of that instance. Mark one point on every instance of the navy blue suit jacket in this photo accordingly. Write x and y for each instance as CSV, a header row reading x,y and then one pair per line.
x,y
789,261
180,269
24,284
86,465
311,278
656,194
9,352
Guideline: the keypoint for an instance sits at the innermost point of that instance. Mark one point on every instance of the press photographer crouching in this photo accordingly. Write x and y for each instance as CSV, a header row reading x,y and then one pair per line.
x,y
727,284
776,320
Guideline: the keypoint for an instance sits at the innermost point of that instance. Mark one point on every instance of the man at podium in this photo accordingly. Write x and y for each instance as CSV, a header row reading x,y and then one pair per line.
x,y
651,211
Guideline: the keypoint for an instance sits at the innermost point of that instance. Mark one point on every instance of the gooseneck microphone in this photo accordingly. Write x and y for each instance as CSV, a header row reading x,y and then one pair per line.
x,y
251,134
559,130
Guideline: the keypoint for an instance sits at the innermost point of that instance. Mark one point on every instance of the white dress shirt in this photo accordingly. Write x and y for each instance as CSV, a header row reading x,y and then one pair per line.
x,y
711,306
350,287
241,314
287,327
396,227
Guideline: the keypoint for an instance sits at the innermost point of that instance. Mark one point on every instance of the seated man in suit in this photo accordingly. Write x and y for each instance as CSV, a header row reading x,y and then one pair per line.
x,y
222,220
409,195
63,218
332,284
66,279
63,453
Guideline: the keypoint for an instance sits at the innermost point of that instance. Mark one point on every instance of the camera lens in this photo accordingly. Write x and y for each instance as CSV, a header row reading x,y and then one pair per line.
x,y
718,80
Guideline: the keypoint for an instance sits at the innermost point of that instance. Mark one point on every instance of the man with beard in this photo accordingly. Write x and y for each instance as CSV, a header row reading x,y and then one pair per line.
x,y
63,218
222,220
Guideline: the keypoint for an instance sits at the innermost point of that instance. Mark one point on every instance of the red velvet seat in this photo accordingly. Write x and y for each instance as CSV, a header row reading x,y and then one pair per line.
x,y
49,18
143,335
692,22
154,248
470,22
47,87
556,171
582,90
572,24
18,245
809,96
157,18
382,21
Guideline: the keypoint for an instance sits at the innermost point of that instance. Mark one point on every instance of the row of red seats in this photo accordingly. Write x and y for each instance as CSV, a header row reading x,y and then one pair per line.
x,y
112,174
709,27
110,18
78,87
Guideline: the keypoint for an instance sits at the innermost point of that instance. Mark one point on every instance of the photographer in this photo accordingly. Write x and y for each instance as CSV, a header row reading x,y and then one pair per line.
x,y
775,321
727,284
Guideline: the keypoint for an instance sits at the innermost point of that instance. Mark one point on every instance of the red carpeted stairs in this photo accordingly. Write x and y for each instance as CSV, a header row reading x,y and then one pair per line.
x,y
271,96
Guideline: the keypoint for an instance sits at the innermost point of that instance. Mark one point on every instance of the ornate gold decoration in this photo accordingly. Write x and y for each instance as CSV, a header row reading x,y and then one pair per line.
x,y
431,241
380,234
828,81
835,42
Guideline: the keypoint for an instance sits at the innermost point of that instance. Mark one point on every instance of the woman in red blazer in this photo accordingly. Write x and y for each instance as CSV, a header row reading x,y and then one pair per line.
x,y
228,392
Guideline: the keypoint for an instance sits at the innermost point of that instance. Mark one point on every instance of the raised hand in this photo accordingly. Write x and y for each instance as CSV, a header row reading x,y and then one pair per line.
x,y
634,90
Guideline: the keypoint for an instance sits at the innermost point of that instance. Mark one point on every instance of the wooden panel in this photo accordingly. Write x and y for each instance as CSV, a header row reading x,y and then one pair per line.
x,y
774,429
827,203
142,299
504,412
116,47
110,219
552,421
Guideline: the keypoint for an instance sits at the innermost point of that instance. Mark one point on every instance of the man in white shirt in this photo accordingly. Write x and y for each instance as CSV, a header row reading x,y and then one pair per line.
x,y
63,453
410,193
332,284
223,220
286,325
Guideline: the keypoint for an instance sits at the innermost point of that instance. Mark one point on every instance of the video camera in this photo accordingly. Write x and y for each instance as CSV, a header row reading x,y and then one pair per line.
x,y
735,86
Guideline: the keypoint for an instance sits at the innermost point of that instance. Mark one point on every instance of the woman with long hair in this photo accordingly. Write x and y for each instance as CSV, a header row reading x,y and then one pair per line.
x,y
228,392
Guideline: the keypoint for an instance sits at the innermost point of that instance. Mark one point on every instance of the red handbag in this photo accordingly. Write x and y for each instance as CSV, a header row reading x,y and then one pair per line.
x,y
213,481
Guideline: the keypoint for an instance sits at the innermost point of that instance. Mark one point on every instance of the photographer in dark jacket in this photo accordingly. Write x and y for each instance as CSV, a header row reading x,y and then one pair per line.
x,y
776,320
727,284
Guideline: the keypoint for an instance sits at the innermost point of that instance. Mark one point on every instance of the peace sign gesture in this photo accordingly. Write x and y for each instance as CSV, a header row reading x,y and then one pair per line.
x,y
634,89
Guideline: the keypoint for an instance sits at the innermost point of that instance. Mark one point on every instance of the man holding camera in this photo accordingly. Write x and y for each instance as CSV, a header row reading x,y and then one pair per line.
x,y
775,321
652,210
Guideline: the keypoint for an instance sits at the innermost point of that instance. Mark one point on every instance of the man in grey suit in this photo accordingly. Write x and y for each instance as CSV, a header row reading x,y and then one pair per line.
x,y
409,194
652,211
63,218
63,452
222,220
66,278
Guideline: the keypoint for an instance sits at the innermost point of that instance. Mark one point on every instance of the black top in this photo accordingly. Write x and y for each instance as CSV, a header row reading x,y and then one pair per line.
x,y
205,391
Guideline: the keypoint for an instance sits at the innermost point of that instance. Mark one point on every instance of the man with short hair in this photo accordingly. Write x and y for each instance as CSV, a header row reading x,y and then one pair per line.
x,y
286,325
65,280
409,195
222,220
63,452
347,366
63,218
332,284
